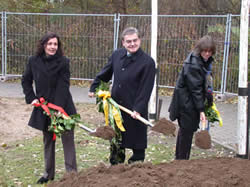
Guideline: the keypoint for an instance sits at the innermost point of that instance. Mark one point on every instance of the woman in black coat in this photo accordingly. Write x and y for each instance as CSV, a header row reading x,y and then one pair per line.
x,y
133,81
49,70
191,91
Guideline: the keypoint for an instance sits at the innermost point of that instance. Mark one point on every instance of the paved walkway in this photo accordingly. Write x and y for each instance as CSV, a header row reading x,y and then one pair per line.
x,y
225,135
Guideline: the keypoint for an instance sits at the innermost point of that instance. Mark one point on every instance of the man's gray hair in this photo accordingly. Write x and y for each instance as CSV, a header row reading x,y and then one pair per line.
x,y
129,31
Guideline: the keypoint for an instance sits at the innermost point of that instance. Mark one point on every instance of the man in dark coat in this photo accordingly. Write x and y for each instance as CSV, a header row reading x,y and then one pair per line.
x,y
133,80
49,70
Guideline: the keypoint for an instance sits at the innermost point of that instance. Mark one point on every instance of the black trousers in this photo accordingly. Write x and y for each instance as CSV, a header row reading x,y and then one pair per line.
x,y
183,144
49,153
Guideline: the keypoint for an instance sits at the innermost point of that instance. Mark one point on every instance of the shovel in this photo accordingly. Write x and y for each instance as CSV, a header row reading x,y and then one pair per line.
x,y
203,138
163,126
143,120
86,128
104,132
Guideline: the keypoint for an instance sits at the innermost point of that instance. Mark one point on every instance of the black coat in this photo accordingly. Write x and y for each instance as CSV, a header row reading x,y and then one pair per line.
x,y
132,86
190,93
52,80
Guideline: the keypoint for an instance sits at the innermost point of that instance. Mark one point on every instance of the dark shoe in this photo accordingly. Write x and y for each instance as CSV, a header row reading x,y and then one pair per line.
x,y
138,156
43,180
135,159
130,161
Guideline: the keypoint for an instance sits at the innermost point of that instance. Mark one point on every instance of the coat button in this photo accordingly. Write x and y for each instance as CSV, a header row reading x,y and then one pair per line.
x,y
123,69
119,86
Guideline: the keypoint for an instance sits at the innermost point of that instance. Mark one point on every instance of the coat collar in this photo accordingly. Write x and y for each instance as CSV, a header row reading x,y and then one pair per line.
x,y
134,56
41,65
199,60
50,68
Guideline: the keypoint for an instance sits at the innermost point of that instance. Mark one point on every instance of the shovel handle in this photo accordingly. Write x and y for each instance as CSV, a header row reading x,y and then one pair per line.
x,y
143,120
203,125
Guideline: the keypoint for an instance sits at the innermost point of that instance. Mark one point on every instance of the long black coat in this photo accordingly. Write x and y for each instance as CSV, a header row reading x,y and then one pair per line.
x,y
132,86
190,92
52,80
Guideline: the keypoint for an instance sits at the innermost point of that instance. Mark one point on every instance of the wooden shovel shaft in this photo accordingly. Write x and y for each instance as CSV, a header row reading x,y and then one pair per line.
x,y
80,125
203,125
143,120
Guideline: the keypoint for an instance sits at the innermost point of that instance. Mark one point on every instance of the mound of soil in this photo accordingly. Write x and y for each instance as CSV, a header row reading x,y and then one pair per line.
x,y
105,132
164,126
221,172
203,139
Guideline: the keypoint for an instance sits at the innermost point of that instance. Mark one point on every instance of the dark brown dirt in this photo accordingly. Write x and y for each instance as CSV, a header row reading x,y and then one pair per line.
x,y
203,139
212,172
104,132
164,126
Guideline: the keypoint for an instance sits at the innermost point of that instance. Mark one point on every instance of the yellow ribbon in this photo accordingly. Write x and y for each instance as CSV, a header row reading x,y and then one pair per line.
x,y
218,113
118,119
105,95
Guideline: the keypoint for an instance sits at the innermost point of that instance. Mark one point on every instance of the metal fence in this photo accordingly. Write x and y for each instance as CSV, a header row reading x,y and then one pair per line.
x,y
89,39
176,37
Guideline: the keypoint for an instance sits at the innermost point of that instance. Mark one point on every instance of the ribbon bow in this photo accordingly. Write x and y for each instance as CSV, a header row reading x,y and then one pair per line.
x,y
45,106
218,114
109,105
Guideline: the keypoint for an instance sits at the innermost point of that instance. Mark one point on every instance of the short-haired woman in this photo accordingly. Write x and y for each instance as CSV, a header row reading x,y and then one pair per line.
x,y
192,89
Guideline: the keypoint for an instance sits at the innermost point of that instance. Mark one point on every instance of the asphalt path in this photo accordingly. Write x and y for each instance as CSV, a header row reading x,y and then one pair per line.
x,y
225,135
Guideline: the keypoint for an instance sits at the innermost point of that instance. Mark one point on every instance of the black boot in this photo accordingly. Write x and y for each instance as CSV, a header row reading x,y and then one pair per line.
x,y
43,180
138,156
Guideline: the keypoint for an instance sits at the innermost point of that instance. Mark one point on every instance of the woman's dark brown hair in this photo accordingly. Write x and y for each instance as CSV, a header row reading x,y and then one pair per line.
x,y
43,41
206,42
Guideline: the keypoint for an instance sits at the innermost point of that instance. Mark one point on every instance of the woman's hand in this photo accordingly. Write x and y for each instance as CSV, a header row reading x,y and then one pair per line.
x,y
91,94
35,101
202,117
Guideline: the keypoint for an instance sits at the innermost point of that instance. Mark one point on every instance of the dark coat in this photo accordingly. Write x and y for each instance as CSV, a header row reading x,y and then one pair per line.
x,y
190,93
132,86
52,80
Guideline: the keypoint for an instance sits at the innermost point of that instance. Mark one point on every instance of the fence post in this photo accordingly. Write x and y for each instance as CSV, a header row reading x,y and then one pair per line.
x,y
226,53
3,42
5,45
116,32
243,76
154,33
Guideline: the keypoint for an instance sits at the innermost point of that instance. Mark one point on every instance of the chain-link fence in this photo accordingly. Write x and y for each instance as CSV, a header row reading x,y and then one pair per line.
x,y
89,39
176,38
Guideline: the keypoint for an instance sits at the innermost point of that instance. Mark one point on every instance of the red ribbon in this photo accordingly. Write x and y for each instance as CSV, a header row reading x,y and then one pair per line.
x,y
45,106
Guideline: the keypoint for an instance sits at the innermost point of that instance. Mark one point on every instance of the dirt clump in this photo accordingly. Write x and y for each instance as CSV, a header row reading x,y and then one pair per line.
x,y
203,139
164,126
104,132
198,172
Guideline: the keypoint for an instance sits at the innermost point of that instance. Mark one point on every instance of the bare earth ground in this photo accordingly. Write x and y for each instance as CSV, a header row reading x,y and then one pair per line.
x,y
14,114
210,172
